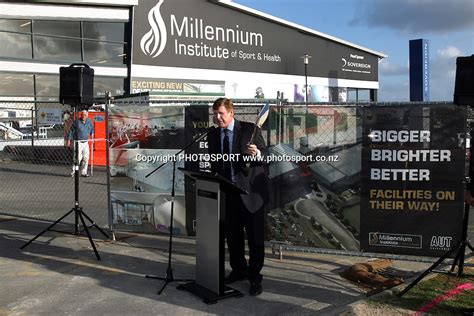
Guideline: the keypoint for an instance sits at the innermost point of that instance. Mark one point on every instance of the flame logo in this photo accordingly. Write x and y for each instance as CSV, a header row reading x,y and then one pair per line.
x,y
154,41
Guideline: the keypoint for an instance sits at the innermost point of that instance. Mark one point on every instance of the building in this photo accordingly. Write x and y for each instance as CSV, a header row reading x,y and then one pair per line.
x,y
176,48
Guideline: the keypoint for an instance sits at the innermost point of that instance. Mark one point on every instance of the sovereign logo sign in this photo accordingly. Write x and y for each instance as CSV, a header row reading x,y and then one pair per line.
x,y
154,41
344,62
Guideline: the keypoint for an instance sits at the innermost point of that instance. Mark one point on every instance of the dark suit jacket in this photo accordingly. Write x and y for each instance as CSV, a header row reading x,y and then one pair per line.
x,y
250,177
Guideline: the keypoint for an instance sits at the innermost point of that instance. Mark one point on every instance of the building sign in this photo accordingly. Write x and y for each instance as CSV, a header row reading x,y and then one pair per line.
x,y
48,116
178,86
207,35
419,70
426,71
412,173
139,85
355,63
196,122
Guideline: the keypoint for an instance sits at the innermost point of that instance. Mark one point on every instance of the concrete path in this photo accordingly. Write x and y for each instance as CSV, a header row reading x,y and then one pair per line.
x,y
58,274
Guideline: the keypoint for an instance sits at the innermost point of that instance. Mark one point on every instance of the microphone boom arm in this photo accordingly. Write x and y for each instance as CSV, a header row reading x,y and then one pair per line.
x,y
195,140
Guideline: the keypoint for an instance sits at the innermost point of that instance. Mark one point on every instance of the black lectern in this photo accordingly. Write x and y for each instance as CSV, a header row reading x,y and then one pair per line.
x,y
211,190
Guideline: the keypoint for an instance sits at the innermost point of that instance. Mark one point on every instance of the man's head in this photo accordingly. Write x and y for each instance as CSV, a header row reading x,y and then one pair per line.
x,y
223,110
84,114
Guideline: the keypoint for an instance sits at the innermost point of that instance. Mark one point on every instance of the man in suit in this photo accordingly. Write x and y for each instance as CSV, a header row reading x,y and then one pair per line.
x,y
243,211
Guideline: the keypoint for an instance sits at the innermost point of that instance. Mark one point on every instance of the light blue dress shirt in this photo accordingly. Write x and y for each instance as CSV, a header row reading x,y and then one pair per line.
x,y
230,133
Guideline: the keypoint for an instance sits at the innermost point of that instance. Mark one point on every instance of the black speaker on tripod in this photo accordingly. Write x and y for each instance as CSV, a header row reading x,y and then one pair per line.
x,y
464,84
76,85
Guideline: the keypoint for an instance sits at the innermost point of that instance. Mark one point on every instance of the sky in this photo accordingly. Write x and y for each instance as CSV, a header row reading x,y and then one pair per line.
x,y
387,26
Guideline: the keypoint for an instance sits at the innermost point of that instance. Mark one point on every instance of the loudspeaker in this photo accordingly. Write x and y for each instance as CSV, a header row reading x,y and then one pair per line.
x,y
464,84
76,84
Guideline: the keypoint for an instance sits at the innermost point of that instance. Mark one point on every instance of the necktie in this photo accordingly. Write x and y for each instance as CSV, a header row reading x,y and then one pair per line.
x,y
226,150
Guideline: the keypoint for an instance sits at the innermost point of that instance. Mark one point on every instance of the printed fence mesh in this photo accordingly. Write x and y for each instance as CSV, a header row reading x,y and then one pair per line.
x,y
36,166
140,194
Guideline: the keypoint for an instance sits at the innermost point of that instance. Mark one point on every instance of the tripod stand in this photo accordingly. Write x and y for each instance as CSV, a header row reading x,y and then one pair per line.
x,y
169,278
77,210
459,249
169,270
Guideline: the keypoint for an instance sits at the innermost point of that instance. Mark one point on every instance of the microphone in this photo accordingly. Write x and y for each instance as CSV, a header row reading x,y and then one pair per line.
x,y
202,134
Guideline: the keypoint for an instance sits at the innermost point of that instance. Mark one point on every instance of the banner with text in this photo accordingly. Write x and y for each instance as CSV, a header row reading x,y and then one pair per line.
x,y
196,122
413,160
211,35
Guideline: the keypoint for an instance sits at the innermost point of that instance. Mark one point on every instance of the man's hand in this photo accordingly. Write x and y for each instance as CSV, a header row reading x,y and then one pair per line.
x,y
68,143
251,149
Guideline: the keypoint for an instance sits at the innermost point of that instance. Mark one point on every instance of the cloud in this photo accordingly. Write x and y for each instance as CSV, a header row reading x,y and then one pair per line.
x,y
416,16
388,69
443,73
444,62
442,76
449,52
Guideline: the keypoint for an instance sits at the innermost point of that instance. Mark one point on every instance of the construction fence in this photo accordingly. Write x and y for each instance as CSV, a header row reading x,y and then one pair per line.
x,y
36,164
316,178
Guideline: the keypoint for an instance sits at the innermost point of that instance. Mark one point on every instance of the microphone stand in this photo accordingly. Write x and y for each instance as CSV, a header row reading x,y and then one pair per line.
x,y
169,271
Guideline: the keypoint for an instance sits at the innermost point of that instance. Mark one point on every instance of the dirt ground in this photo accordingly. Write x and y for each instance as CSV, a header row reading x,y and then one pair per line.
x,y
364,309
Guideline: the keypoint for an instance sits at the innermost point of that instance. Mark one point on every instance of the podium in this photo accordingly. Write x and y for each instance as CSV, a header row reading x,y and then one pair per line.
x,y
211,191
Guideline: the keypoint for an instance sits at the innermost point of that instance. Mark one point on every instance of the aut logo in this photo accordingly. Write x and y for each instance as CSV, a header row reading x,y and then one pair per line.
x,y
154,41
440,242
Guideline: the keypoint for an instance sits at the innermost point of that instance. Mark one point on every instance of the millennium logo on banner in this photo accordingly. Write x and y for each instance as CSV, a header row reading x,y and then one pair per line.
x,y
194,37
157,34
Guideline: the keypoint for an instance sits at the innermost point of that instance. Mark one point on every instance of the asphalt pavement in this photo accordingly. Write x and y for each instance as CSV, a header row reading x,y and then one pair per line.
x,y
58,274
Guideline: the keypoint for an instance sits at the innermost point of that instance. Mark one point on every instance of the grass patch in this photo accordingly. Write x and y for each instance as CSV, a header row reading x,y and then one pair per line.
x,y
430,289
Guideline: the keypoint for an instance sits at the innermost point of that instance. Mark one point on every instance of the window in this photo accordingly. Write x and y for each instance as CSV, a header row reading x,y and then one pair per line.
x,y
57,49
351,95
65,42
358,95
103,84
17,85
106,54
21,26
47,87
57,28
104,31
15,39
95,43
363,95
15,46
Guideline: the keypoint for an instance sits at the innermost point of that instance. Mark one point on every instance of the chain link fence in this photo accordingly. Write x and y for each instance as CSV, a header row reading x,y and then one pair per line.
x,y
36,166
140,193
